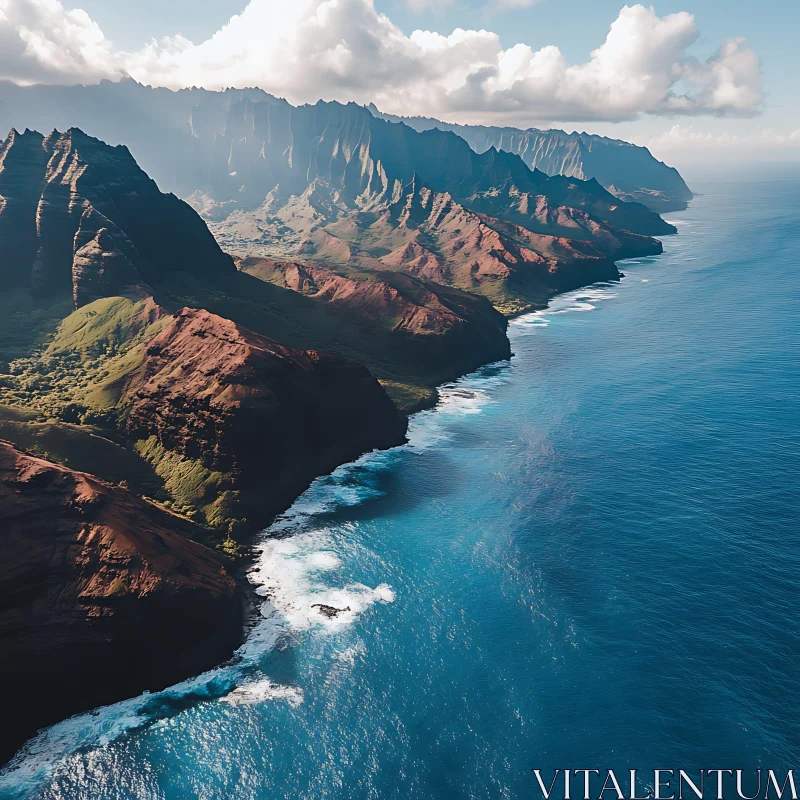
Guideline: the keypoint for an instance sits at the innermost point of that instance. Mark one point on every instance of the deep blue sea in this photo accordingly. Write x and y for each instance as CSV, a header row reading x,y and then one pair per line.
x,y
588,557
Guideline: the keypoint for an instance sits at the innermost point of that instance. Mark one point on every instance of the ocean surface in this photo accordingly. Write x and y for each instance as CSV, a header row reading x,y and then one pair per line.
x,y
588,557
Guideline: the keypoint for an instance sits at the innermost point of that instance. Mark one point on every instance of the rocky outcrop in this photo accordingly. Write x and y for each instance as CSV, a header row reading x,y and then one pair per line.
x,y
512,264
77,214
103,587
439,328
626,170
268,417
105,262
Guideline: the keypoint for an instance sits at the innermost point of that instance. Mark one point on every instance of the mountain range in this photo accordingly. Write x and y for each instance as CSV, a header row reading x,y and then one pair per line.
x,y
151,122
628,171
157,433
332,184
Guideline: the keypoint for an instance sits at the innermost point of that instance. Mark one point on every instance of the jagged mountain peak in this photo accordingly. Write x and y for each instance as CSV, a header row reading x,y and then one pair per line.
x,y
80,215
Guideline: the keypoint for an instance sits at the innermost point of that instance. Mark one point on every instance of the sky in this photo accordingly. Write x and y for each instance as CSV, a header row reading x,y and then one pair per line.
x,y
691,79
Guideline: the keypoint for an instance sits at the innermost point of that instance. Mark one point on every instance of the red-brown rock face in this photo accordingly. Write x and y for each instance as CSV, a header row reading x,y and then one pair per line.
x,y
239,403
443,328
104,585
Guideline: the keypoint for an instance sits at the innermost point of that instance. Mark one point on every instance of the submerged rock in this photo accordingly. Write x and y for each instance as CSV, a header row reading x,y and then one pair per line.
x,y
329,611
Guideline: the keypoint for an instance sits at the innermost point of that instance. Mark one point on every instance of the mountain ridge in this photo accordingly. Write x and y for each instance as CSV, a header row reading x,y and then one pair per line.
x,y
629,171
67,191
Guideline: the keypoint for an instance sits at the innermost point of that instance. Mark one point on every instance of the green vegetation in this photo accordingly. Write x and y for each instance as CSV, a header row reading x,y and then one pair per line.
x,y
62,389
63,400
77,373
82,447
195,492
104,326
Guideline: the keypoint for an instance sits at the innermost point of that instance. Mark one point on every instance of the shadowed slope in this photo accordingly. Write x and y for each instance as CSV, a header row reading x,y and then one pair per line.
x,y
104,585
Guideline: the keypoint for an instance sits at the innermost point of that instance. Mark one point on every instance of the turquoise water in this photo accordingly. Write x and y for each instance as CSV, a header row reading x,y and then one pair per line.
x,y
585,558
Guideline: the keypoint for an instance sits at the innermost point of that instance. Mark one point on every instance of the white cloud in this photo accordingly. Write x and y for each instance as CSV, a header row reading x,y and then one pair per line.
x,y
346,50
41,42
518,3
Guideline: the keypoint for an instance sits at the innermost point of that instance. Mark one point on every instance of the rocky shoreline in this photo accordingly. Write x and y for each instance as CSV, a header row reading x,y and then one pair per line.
x,y
103,584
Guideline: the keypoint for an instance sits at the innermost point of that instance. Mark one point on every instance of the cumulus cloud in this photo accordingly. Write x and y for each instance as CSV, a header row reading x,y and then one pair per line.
x,y
346,50
42,42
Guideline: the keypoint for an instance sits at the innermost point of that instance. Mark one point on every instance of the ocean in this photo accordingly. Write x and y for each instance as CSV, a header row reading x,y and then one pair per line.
x,y
588,557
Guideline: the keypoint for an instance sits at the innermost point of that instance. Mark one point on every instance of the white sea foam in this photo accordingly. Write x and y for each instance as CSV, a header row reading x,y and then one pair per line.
x,y
454,399
42,754
350,654
571,302
259,691
293,575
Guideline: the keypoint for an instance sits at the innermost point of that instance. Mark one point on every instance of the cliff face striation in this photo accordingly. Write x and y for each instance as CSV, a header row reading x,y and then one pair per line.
x,y
365,162
77,215
162,127
104,587
628,171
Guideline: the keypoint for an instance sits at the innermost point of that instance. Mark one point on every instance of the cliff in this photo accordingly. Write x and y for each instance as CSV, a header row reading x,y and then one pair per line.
x,y
173,135
628,171
365,161
227,426
104,586
311,182
77,215
79,218
259,420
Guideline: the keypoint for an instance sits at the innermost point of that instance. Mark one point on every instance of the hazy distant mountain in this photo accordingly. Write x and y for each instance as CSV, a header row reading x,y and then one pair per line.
x,y
333,183
626,170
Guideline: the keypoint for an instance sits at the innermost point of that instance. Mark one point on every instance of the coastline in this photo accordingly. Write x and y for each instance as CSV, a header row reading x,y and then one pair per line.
x,y
239,667
239,680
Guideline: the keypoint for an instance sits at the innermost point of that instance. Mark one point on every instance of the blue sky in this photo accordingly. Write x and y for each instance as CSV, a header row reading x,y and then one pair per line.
x,y
576,27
